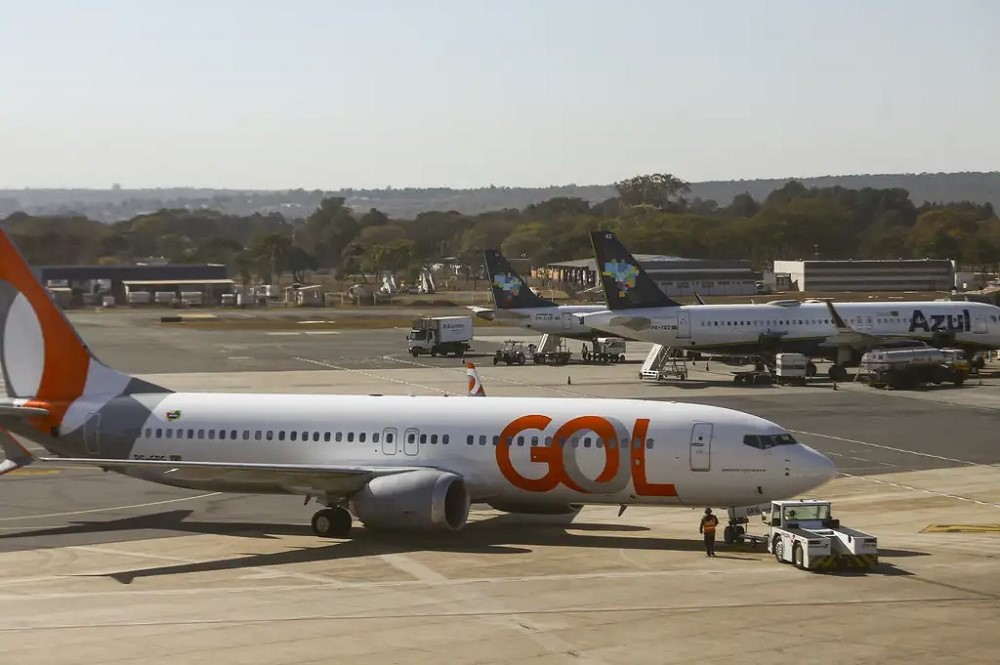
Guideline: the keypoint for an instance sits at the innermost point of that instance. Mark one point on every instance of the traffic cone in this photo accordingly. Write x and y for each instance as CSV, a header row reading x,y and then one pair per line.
x,y
569,381
835,384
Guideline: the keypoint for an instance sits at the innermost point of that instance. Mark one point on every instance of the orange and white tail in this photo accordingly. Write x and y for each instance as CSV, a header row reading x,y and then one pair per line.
x,y
46,366
475,384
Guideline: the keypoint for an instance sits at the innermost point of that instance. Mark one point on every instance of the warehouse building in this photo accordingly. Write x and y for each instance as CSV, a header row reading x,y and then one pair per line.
x,y
875,275
674,275
78,286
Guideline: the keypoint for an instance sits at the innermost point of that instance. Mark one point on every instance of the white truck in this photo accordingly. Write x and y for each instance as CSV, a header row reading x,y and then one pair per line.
x,y
804,532
440,334
912,367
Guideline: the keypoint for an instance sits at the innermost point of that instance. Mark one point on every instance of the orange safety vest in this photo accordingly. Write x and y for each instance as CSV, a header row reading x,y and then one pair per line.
x,y
708,523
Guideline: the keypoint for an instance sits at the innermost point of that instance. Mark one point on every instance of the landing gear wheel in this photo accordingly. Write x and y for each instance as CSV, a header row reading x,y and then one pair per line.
x,y
331,523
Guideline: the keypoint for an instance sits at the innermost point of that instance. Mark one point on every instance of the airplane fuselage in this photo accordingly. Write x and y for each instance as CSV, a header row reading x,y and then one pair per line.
x,y
538,451
803,327
561,320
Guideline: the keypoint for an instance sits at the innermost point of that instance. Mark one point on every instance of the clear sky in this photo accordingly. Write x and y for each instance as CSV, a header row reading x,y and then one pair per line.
x,y
329,93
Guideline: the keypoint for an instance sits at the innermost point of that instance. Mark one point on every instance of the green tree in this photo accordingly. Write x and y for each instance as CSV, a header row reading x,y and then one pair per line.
x,y
660,190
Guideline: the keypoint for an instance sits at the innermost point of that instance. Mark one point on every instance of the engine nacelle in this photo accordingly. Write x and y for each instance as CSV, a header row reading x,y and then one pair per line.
x,y
419,500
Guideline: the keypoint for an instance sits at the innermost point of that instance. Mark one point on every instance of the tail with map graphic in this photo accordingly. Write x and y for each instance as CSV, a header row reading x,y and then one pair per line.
x,y
51,379
509,290
626,285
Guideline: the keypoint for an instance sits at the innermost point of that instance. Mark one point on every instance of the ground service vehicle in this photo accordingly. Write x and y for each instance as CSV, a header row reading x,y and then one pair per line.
x,y
512,353
607,350
790,368
441,334
805,533
909,368
559,355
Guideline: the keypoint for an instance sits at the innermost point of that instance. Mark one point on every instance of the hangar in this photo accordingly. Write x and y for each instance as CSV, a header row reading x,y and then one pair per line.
x,y
77,286
676,276
874,275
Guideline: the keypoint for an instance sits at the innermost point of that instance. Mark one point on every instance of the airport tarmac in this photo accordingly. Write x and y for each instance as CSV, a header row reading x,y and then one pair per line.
x,y
96,568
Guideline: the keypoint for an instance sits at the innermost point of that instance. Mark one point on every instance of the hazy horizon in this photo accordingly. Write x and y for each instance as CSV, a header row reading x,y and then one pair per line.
x,y
328,95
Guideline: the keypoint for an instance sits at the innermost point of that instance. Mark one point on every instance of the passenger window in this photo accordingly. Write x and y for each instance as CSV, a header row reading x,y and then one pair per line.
x,y
482,439
586,442
222,434
361,437
149,432
201,434
232,434
170,433
293,435
305,436
339,436
469,439
315,436
326,437
270,435
410,438
159,433
389,437
190,433
246,435
649,443
534,441
434,438
350,437
576,442
211,434
496,440
444,439
520,440
423,438
548,441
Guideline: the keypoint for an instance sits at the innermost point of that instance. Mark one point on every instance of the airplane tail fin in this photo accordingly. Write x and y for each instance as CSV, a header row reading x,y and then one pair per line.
x,y
626,284
44,363
509,289
475,384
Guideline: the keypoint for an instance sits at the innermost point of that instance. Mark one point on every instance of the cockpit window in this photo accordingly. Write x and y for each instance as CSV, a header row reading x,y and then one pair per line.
x,y
765,441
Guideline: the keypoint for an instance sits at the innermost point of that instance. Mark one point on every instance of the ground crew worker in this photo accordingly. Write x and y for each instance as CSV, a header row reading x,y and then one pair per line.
x,y
585,353
707,527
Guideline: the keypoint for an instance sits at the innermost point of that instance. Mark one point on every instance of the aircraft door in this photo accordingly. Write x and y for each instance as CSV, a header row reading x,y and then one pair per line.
x,y
701,447
389,443
979,325
92,434
567,321
683,324
411,444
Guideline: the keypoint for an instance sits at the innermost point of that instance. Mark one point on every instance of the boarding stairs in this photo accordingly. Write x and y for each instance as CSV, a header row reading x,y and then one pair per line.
x,y
660,363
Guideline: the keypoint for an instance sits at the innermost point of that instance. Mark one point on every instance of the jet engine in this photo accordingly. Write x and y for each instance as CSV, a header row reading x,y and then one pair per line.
x,y
425,500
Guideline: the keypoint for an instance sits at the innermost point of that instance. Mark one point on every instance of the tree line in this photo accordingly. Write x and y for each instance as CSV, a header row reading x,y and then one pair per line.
x,y
652,214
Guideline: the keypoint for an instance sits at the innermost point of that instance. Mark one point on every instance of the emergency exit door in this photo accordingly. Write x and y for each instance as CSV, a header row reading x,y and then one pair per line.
x,y
701,447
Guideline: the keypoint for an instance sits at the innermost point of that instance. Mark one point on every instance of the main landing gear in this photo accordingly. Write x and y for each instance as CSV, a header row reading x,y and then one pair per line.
x,y
332,523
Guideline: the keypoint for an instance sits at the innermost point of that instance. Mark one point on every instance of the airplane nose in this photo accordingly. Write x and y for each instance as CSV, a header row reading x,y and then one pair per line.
x,y
813,468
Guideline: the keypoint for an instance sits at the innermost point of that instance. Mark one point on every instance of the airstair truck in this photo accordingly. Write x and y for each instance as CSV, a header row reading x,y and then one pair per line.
x,y
440,334
804,532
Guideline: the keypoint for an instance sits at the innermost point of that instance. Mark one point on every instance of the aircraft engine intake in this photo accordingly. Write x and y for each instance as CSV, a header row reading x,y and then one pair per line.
x,y
425,500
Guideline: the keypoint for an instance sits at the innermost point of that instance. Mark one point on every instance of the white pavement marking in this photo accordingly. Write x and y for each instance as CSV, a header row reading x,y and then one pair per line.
x,y
282,332
896,450
373,375
109,508
957,497
521,624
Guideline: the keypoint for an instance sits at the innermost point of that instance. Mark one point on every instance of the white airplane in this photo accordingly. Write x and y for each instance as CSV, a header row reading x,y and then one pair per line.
x,y
394,462
639,309
515,303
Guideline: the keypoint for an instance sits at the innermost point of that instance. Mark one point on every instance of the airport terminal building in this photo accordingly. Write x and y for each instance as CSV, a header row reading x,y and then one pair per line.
x,y
79,286
875,275
674,275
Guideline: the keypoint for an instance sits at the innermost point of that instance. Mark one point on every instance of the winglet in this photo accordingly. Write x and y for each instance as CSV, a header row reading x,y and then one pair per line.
x,y
837,320
475,384
15,456
698,299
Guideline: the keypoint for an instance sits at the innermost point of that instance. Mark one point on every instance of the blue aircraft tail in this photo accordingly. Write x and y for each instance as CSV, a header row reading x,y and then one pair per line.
x,y
626,285
509,290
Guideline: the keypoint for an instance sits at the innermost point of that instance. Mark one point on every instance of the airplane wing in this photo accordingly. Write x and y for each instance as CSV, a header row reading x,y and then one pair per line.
x,y
632,322
293,478
848,336
18,408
